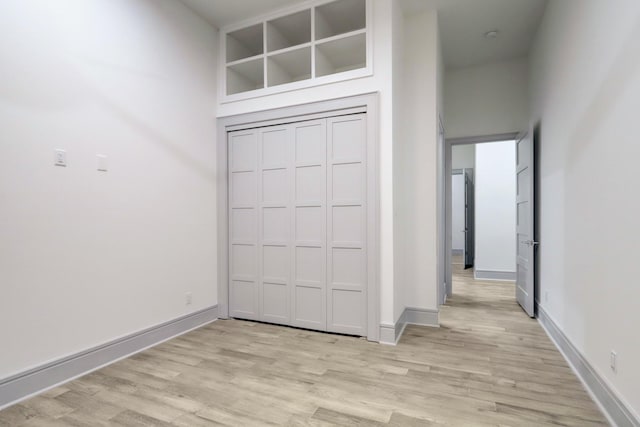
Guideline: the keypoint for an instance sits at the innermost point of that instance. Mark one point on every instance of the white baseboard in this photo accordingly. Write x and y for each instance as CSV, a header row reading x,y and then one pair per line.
x,y
494,275
422,317
29,383
390,333
617,412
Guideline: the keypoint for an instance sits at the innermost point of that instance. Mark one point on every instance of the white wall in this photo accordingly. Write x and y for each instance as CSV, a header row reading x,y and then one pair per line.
x,y
486,99
416,211
86,257
495,207
463,156
381,82
585,91
399,277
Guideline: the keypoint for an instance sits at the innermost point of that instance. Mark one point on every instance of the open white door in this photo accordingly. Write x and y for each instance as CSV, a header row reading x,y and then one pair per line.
x,y
524,225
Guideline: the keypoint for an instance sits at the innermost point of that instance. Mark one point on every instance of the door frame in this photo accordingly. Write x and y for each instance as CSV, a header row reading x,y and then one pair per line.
x,y
367,103
462,172
448,169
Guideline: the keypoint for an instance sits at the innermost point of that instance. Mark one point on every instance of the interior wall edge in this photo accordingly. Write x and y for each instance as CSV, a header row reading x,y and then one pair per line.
x,y
37,380
390,334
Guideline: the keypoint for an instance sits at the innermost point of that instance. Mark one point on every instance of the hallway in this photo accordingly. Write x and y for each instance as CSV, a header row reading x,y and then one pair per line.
x,y
488,364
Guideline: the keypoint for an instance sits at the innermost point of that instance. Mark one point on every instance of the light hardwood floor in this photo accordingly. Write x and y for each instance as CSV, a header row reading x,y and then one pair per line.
x,y
488,364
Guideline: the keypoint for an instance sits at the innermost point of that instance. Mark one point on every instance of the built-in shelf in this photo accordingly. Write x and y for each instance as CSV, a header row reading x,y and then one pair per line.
x,y
339,17
288,31
341,54
281,50
290,66
245,43
245,76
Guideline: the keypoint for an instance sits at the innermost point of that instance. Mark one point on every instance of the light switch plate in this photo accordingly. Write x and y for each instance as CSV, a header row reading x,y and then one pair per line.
x,y
102,162
60,157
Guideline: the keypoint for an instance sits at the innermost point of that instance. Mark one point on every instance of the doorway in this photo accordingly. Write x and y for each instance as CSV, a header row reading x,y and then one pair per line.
x,y
481,220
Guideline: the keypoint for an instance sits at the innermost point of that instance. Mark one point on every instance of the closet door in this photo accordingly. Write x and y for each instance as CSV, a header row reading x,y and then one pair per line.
x,y
244,292
308,293
298,224
274,224
346,225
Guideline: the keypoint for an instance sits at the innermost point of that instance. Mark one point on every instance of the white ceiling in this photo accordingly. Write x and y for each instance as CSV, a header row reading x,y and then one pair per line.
x,y
225,12
462,24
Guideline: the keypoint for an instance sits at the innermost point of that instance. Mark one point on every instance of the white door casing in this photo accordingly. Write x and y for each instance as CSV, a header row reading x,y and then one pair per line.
x,y
457,210
524,225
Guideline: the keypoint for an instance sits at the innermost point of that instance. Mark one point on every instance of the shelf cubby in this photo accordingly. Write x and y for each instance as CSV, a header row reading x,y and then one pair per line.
x,y
340,17
311,44
245,76
288,31
290,66
245,43
343,54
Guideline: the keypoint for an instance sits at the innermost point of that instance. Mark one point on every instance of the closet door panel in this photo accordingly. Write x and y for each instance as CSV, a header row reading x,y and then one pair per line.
x,y
275,186
274,223
309,193
243,231
346,225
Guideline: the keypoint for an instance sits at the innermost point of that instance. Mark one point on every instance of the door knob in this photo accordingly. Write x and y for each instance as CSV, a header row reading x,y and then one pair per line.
x,y
531,243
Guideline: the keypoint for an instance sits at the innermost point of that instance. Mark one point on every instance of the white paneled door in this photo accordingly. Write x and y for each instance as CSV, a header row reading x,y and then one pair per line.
x,y
298,224
524,225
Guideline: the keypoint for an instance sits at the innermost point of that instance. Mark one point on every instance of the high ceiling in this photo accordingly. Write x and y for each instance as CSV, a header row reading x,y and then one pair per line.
x,y
463,24
225,12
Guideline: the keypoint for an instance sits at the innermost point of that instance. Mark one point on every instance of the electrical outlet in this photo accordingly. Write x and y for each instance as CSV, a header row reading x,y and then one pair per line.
x,y
613,361
60,158
188,298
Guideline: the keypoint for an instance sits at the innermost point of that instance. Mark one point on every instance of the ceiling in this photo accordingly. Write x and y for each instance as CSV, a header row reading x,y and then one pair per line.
x,y
225,12
463,24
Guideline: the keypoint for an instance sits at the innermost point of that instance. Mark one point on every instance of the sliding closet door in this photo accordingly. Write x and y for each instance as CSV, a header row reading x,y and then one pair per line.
x,y
309,292
244,292
274,223
298,224
346,225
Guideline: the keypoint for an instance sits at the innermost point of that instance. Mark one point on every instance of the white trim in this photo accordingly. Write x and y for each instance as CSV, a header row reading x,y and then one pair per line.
x,y
618,413
31,382
422,317
499,275
363,103
447,170
390,333
286,120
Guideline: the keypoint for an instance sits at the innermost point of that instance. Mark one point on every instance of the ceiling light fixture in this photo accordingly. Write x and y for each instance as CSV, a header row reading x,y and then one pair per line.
x,y
493,34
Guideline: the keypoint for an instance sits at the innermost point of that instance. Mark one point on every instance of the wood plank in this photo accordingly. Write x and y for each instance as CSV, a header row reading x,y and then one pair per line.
x,y
488,364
